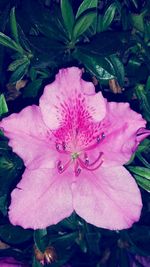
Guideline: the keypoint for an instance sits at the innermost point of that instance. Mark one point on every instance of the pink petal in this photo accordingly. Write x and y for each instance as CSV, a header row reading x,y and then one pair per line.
x,y
64,92
29,137
42,198
120,127
108,198
10,262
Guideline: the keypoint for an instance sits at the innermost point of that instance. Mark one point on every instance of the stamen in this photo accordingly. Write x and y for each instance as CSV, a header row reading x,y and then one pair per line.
x,y
77,170
82,164
61,168
86,159
98,158
61,148
98,141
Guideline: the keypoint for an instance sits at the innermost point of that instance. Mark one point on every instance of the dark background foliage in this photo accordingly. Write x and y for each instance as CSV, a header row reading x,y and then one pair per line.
x,y
110,40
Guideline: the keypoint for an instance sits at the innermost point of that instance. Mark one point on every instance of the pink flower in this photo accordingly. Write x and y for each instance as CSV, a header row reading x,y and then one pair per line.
x,y
10,262
145,261
73,146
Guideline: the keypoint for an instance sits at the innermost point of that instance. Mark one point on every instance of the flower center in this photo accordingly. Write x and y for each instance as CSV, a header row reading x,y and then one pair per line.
x,y
75,155
80,159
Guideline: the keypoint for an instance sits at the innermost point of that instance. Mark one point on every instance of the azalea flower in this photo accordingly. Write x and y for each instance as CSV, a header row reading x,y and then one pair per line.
x,y
74,145
10,262
144,261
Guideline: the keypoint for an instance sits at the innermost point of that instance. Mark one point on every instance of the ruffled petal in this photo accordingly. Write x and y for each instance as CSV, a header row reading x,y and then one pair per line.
x,y
69,93
42,198
108,198
121,126
29,137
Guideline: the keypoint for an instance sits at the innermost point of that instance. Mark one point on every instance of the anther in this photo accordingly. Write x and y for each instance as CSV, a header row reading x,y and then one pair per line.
x,y
63,145
57,146
77,171
98,139
86,159
60,166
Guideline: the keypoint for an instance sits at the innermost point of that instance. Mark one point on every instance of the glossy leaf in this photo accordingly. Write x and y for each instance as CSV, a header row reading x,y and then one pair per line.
x,y
68,16
82,24
119,69
10,43
3,105
13,24
100,67
105,20
144,183
85,5
144,172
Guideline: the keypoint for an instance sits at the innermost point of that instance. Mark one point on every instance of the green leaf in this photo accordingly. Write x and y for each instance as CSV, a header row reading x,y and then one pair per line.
x,y
104,44
10,170
138,21
144,183
68,16
119,69
10,43
143,160
31,90
40,239
3,105
36,263
105,20
82,24
85,5
101,67
14,234
16,63
142,171
20,71
13,25
3,204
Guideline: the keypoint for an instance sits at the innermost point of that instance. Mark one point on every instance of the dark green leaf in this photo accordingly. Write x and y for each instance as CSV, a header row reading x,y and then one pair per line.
x,y
142,171
3,204
101,67
31,90
36,263
137,21
23,39
93,241
10,43
40,239
104,44
68,16
14,234
10,170
85,5
82,24
20,71
3,105
16,63
119,69
47,46
105,20
144,183
13,24
143,160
